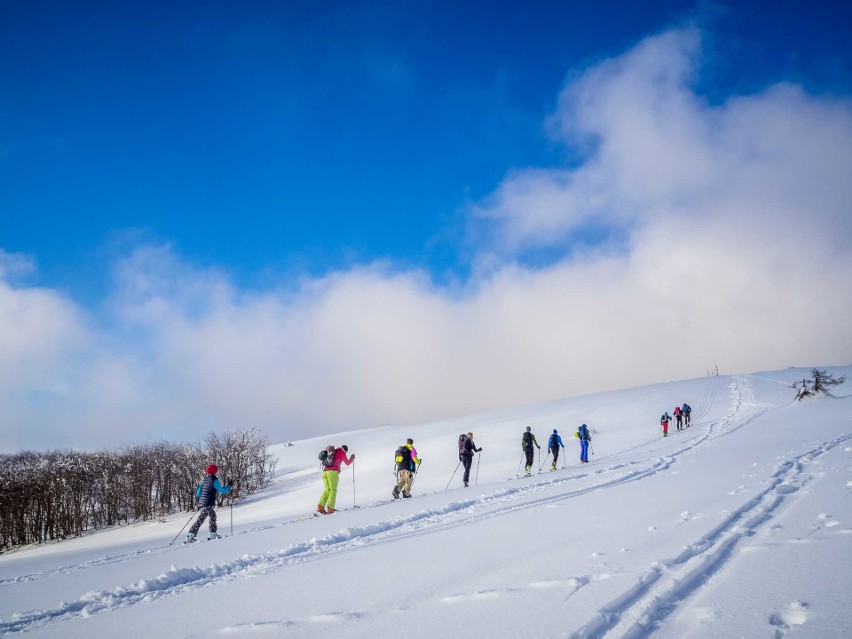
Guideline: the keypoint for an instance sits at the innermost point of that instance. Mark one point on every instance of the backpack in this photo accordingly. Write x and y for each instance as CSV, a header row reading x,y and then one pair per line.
x,y
677,411
686,408
326,458
553,442
527,437
403,457
583,432
462,440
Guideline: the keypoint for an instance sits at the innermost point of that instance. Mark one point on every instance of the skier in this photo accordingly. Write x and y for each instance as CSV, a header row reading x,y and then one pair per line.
x,y
687,412
406,464
678,413
585,438
664,422
554,443
466,450
527,443
206,494
331,476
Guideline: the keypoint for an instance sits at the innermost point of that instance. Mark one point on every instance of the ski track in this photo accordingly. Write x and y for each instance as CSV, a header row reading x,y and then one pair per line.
x,y
637,612
631,615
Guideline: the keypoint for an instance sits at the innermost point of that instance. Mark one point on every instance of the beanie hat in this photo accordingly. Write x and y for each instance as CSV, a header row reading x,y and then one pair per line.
x,y
528,429
212,469
554,431
345,448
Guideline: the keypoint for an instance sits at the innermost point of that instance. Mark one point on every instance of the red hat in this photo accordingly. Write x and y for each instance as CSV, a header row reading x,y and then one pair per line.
x,y
212,469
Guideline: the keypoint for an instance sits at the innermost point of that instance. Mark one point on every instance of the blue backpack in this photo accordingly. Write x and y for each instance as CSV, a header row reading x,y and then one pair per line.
x,y
583,431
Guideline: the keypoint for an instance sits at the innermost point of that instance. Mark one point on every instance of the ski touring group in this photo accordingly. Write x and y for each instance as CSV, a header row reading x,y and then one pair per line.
x,y
682,418
406,463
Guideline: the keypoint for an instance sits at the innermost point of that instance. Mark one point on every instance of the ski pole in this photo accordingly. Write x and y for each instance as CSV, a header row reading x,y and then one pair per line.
x,y
541,465
181,530
451,478
478,459
232,515
591,448
564,457
353,484
518,473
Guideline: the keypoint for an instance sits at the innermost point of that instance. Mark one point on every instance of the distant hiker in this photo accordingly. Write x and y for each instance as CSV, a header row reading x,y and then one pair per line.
x,y
406,465
527,443
664,422
466,450
206,494
585,438
331,462
687,412
678,413
554,443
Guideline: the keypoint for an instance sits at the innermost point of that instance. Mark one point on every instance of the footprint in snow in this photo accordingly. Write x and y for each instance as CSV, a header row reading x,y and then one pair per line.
x,y
739,489
794,614
827,520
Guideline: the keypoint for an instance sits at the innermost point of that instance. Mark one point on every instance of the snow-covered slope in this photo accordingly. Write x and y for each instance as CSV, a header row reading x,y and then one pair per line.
x,y
739,526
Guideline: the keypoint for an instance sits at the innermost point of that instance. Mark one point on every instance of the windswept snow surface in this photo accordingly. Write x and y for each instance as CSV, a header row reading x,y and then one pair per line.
x,y
740,526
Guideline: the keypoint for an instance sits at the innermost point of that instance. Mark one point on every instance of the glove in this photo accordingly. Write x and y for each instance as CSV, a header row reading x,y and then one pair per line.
x,y
230,483
352,457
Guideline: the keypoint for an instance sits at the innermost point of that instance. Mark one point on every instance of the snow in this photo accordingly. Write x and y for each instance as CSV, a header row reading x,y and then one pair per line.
x,y
740,526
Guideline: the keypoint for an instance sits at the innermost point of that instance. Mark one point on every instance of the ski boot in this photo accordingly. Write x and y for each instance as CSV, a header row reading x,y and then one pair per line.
x,y
329,511
404,496
321,510
395,492
213,536
190,537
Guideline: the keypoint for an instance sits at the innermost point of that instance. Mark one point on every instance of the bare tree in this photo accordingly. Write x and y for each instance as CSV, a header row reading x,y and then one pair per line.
x,y
819,384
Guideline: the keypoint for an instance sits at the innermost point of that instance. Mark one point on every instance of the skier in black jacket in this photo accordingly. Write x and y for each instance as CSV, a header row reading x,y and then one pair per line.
x,y
527,443
466,456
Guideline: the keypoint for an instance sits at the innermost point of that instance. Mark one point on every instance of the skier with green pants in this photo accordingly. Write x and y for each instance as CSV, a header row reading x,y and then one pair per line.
x,y
331,476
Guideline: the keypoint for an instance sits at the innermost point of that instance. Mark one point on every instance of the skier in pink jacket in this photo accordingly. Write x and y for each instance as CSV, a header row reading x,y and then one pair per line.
x,y
331,476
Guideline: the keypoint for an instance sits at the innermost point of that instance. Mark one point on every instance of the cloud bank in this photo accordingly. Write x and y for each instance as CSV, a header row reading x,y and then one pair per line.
x,y
691,234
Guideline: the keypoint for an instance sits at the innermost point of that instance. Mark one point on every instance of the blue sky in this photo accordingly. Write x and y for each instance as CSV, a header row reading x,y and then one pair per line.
x,y
271,137
307,220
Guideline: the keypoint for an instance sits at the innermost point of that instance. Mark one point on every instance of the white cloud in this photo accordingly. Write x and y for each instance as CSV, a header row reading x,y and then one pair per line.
x,y
734,236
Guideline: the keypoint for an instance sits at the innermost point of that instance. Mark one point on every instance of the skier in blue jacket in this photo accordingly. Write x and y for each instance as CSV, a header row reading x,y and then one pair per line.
x,y
585,438
206,493
554,443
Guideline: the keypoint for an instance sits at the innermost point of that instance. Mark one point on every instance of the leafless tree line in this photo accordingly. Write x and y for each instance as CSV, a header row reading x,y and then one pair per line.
x,y
58,494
